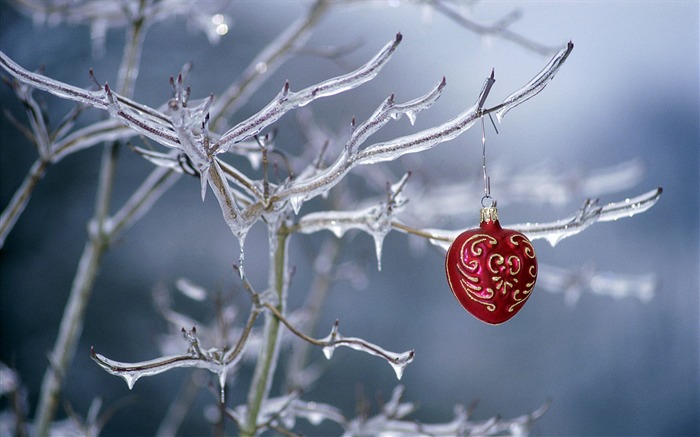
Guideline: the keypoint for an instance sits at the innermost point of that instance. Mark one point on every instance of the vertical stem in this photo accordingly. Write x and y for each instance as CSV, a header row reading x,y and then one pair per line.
x,y
98,242
267,360
74,312
323,278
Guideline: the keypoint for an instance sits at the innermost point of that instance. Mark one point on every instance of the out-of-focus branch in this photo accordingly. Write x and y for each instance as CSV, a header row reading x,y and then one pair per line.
x,y
572,283
72,320
393,420
19,200
499,29
266,62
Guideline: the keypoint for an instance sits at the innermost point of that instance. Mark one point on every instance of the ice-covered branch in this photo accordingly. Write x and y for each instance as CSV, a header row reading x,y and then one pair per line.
x,y
141,201
589,213
398,361
556,231
141,118
19,200
131,372
534,185
95,133
281,414
536,85
287,100
352,155
375,220
216,360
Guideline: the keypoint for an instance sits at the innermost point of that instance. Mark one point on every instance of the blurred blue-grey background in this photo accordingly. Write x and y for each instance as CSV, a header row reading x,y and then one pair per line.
x,y
609,366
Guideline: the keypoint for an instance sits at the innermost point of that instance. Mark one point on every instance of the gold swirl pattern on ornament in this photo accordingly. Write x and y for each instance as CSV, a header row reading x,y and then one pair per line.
x,y
470,285
513,266
498,265
529,252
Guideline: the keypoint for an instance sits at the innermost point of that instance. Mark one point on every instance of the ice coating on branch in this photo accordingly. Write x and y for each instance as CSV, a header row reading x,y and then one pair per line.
x,y
537,84
319,182
554,232
287,100
216,360
375,220
589,213
398,361
131,372
101,131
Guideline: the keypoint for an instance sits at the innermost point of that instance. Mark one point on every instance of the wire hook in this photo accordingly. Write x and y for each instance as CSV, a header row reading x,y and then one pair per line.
x,y
487,179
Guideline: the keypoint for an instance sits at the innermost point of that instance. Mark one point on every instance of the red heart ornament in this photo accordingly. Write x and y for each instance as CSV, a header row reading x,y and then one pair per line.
x,y
491,270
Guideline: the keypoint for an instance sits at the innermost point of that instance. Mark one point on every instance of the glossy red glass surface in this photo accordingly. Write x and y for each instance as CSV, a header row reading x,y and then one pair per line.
x,y
491,271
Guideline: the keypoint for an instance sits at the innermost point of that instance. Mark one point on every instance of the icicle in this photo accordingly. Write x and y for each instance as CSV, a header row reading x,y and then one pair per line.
x,y
328,350
400,363
412,115
378,243
241,255
296,202
222,383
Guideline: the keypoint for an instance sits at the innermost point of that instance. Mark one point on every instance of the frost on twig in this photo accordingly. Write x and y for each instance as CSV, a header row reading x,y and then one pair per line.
x,y
287,100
